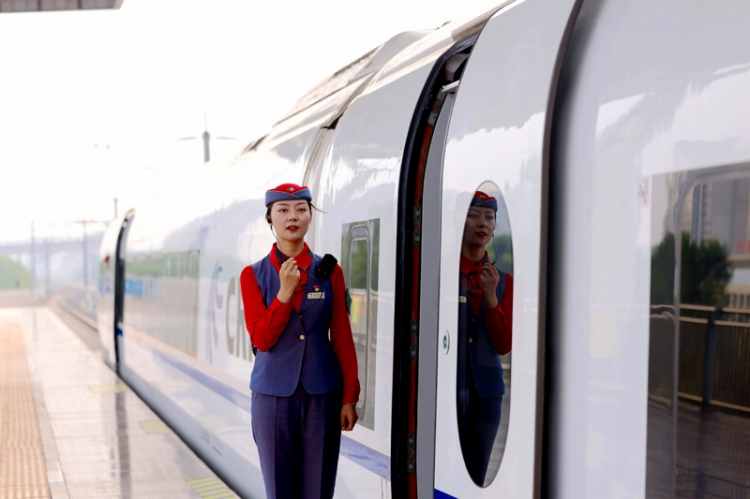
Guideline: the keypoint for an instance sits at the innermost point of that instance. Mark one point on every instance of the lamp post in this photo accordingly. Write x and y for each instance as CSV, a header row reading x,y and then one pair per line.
x,y
33,261
206,147
84,223
206,140
85,258
46,266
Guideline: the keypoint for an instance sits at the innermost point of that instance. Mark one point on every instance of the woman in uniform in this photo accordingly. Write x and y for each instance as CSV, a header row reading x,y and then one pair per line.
x,y
484,334
304,385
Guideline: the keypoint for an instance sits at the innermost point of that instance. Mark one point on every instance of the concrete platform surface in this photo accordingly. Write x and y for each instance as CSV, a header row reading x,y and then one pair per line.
x,y
70,428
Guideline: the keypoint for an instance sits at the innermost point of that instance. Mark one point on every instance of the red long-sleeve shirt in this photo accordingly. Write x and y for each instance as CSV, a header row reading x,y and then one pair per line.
x,y
499,319
265,324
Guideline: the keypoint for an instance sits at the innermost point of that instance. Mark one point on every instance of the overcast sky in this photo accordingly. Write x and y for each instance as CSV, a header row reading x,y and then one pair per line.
x,y
92,103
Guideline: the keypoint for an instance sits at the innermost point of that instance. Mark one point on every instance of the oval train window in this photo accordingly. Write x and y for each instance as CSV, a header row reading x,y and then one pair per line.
x,y
484,333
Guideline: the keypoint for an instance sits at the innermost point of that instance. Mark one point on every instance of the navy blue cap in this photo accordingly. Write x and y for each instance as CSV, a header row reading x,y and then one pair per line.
x,y
483,200
288,192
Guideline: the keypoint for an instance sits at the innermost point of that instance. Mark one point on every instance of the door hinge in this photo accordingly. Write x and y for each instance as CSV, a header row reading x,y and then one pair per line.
x,y
416,237
411,454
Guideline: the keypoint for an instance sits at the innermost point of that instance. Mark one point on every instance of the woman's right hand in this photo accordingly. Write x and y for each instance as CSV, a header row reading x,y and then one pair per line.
x,y
289,277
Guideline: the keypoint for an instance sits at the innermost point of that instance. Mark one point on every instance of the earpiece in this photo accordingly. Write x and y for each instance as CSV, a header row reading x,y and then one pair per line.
x,y
268,219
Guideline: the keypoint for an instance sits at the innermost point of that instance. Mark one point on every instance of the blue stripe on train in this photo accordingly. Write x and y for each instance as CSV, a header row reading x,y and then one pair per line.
x,y
439,494
370,459
134,287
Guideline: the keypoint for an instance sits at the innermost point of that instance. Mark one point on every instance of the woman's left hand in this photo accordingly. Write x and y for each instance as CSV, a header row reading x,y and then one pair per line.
x,y
348,417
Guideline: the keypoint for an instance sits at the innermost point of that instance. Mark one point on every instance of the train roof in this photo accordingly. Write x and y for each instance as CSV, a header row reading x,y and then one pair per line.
x,y
366,65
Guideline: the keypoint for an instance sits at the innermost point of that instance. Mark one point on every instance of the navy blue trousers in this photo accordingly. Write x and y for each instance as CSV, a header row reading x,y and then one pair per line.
x,y
479,421
298,439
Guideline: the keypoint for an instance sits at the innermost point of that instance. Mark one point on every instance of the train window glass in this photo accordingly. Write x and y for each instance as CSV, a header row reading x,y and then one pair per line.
x,y
699,362
360,252
485,304
159,286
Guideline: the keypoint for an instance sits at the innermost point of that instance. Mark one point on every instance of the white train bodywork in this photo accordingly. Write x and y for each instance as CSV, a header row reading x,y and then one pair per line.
x,y
578,111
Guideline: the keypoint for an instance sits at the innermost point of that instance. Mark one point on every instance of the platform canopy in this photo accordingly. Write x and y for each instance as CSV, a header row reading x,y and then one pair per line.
x,y
46,5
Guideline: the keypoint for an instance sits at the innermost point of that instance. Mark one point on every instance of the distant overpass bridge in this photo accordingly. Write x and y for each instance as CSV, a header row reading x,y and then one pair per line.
x,y
57,259
48,5
40,245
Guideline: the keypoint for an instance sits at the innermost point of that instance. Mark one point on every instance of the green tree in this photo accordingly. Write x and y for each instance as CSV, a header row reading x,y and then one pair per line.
x,y
662,271
705,271
500,251
13,274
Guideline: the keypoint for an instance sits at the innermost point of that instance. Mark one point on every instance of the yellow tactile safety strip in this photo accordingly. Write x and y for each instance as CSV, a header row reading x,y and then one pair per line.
x,y
23,473
211,488
154,427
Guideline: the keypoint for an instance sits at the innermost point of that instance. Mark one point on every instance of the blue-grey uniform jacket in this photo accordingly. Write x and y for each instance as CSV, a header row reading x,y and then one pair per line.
x,y
303,352
479,356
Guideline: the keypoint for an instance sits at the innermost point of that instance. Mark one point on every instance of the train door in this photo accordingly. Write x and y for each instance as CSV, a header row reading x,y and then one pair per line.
x,y
120,287
421,259
110,295
479,433
105,307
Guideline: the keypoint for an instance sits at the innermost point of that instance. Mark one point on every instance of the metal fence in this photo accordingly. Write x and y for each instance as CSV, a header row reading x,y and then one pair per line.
x,y
723,345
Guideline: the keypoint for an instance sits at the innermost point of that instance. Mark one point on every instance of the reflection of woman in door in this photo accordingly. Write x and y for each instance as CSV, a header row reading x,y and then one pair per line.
x,y
485,322
304,380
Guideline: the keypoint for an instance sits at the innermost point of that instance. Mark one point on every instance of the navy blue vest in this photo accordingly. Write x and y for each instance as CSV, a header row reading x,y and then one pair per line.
x,y
478,358
303,352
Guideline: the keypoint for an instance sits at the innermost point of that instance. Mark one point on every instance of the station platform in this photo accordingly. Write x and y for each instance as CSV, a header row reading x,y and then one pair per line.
x,y
70,428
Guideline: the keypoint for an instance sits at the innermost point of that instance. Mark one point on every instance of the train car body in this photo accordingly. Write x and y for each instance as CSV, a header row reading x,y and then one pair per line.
x,y
599,123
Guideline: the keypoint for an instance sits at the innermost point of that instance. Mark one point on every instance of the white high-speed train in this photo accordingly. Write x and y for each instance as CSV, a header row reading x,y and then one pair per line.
x,y
605,127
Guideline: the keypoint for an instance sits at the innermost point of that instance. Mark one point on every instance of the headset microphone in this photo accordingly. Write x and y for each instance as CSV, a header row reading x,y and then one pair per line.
x,y
494,248
270,226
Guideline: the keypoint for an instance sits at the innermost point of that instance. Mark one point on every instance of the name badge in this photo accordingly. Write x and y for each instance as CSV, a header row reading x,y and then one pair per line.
x,y
316,296
461,299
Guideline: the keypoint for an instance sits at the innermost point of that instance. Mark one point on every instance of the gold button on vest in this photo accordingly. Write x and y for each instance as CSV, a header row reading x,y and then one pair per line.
x,y
302,336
